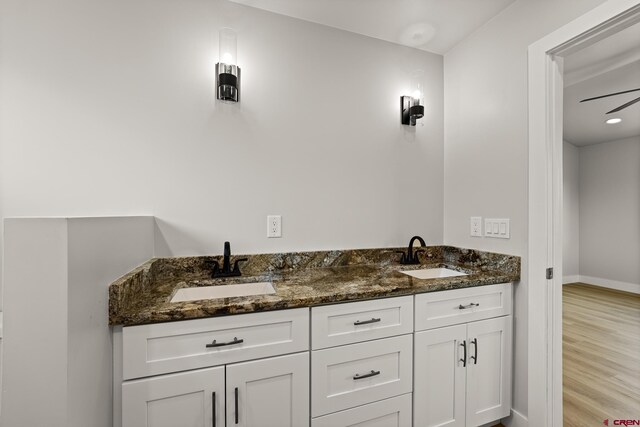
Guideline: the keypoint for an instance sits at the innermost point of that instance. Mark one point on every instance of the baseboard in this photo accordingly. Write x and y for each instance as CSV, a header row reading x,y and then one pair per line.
x,y
515,420
570,279
611,284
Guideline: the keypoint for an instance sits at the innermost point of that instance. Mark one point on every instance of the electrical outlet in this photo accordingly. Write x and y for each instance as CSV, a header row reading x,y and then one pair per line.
x,y
476,226
274,226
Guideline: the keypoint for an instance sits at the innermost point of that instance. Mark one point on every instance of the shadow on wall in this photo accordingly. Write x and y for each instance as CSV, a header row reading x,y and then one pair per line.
x,y
168,235
160,245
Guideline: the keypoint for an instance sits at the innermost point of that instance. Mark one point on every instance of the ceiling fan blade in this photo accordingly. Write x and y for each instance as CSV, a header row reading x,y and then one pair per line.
x,y
623,106
610,94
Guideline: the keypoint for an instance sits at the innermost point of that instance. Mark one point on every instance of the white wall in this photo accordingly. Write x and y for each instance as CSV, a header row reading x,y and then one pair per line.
x,y
57,343
107,108
571,213
610,214
486,155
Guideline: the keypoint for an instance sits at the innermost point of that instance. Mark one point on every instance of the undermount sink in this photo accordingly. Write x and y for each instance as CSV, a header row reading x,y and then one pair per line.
x,y
223,291
433,273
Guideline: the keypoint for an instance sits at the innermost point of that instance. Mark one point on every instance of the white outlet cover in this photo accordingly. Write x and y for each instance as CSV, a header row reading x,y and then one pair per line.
x,y
476,226
274,226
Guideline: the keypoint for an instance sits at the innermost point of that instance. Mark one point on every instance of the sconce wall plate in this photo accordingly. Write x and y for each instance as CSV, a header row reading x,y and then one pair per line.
x,y
227,82
410,110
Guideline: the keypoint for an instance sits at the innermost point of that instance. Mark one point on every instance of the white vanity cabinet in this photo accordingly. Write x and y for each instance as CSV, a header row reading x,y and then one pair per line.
x,y
361,363
183,373
433,359
271,392
463,370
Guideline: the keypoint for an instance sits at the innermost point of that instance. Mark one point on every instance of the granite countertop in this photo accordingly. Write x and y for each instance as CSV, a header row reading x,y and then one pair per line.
x,y
301,279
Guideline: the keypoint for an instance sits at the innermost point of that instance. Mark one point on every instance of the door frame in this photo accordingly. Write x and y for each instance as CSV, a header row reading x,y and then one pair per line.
x,y
545,81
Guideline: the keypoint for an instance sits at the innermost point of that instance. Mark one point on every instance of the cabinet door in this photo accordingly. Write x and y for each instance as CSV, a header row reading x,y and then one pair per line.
x,y
439,382
488,370
270,392
187,399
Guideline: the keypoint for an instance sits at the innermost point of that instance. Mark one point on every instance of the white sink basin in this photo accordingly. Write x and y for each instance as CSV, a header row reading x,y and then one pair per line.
x,y
433,273
223,291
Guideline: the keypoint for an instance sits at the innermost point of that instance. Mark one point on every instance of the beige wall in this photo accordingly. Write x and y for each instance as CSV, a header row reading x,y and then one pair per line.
x,y
486,152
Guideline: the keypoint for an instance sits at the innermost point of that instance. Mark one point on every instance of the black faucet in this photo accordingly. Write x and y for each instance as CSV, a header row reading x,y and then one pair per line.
x,y
411,257
226,270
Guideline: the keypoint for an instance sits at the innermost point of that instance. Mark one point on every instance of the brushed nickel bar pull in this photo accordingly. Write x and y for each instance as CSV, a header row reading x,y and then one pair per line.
x,y
369,375
366,322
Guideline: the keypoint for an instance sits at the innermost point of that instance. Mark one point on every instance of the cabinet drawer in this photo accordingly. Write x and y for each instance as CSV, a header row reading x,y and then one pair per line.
x,y
341,324
178,346
352,375
394,412
437,309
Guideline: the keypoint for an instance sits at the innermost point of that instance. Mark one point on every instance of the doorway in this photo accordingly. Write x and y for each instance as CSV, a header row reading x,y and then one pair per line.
x,y
545,270
601,231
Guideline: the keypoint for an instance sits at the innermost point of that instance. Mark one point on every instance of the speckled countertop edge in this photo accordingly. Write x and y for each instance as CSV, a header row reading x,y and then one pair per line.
x,y
301,280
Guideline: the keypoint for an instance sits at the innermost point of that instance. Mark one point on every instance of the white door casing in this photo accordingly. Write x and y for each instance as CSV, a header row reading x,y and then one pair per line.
x,y
545,199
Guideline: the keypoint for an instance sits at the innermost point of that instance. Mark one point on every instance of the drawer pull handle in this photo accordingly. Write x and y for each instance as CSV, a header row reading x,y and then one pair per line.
x,y
475,351
464,357
369,375
236,403
473,304
366,322
222,344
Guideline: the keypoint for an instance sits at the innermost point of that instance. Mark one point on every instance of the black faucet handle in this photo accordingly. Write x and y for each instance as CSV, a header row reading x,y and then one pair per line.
x,y
415,255
403,258
236,267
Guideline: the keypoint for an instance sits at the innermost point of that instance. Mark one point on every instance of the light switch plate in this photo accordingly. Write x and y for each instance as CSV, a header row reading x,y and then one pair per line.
x,y
476,226
497,227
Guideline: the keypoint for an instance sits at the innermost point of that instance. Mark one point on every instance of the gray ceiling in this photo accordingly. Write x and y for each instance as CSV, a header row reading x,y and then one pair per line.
x,y
611,65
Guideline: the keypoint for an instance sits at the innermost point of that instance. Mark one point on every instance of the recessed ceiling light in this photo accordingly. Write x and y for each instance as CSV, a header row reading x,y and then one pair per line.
x,y
613,121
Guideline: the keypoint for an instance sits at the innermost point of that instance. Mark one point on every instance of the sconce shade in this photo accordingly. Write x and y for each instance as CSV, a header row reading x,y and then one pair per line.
x,y
228,44
227,70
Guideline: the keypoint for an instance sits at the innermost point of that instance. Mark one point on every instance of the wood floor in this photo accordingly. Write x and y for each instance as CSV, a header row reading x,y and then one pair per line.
x,y
601,355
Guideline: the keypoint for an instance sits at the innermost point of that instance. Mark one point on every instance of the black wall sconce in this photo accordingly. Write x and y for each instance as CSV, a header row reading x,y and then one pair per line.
x,y
412,107
227,70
